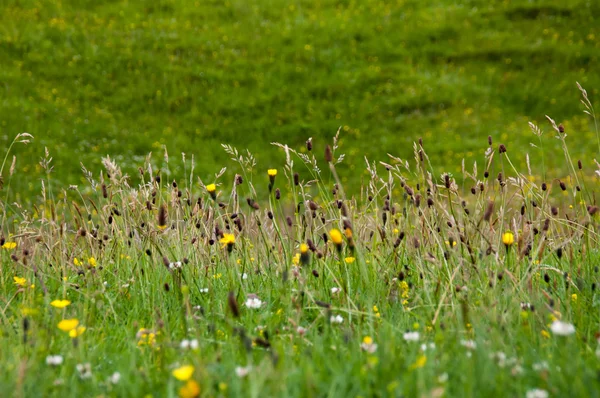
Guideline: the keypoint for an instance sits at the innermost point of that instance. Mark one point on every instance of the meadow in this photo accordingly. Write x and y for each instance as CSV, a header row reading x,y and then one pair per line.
x,y
90,79
483,284
308,198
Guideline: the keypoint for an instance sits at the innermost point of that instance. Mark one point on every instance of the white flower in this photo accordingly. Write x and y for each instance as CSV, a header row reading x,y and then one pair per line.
x,y
500,357
244,276
204,290
560,328
537,393
368,347
516,370
539,366
254,303
175,265
425,346
85,370
54,360
114,378
335,290
468,344
336,319
242,371
189,344
412,336
301,331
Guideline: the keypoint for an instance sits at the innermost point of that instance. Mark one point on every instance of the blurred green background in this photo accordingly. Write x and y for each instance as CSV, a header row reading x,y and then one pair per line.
x,y
91,78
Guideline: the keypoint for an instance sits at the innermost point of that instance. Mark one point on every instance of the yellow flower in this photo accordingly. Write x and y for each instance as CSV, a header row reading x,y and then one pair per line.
x,y
9,245
508,238
146,337
211,188
574,297
60,303
191,389
20,281
77,262
545,334
368,340
76,332
228,240
92,261
349,260
336,237
66,325
222,386
303,248
184,373
296,259
272,172
419,363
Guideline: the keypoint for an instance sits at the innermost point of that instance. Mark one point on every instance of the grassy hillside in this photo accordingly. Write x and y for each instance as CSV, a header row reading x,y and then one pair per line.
x,y
91,78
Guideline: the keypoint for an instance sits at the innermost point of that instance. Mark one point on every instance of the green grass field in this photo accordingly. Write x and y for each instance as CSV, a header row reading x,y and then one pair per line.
x,y
299,271
90,79
418,286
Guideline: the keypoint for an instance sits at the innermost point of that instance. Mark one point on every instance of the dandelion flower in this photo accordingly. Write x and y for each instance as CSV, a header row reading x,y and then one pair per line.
x,y
9,245
212,191
77,262
92,261
272,172
304,254
60,303
349,260
560,328
20,281
191,389
296,259
228,240
419,363
66,325
336,238
183,373
508,238
76,332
